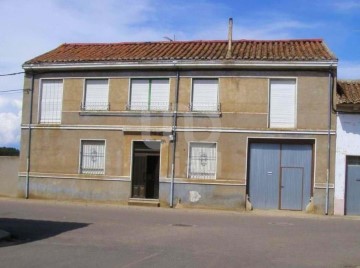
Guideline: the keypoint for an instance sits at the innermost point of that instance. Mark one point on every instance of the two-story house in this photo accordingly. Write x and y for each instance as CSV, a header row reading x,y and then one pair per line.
x,y
205,123
347,171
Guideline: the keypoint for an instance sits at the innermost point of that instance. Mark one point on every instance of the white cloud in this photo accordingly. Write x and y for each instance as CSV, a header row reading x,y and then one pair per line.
x,y
346,5
349,70
10,128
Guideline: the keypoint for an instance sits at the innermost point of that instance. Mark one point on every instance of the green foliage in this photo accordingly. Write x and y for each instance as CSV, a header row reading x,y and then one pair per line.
x,y
9,151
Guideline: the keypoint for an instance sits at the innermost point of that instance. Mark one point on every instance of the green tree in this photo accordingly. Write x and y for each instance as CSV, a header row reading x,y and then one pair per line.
x,y
9,151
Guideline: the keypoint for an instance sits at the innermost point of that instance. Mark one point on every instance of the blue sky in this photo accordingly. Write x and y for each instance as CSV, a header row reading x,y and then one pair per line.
x,y
30,28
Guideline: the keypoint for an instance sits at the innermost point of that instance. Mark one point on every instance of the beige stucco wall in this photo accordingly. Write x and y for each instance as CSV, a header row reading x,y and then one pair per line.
x,y
244,114
57,152
244,100
9,168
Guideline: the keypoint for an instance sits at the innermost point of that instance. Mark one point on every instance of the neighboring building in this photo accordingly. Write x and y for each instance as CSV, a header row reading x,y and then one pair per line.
x,y
247,118
347,175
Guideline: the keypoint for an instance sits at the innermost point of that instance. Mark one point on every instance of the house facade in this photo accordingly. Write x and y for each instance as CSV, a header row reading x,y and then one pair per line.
x,y
223,124
347,174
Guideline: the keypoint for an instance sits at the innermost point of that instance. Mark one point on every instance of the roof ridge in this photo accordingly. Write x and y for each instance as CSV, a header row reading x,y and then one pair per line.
x,y
196,41
349,81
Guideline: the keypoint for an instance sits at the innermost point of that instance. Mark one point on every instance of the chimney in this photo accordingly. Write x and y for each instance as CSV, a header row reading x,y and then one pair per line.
x,y
228,53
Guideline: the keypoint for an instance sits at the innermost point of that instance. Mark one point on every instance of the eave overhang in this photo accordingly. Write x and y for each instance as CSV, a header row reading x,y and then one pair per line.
x,y
226,64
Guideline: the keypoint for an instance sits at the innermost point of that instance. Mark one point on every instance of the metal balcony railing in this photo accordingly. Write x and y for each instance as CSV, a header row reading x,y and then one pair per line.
x,y
204,107
146,106
95,106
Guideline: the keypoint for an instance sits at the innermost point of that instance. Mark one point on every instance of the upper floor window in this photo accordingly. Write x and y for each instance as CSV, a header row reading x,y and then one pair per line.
x,y
202,160
92,157
51,95
282,103
205,95
96,97
149,94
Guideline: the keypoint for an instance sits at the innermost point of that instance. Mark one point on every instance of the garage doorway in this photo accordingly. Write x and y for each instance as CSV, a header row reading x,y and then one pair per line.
x,y
145,169
352,202
279,175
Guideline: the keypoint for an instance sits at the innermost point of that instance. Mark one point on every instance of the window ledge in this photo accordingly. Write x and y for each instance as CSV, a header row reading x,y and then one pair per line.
x,y
200,114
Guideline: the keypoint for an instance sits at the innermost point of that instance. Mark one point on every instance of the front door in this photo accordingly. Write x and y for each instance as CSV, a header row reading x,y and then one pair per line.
x,y
145,169
292,188
353,185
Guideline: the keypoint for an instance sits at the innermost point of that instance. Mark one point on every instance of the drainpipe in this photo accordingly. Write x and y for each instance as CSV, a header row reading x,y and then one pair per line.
x,y
328,145
174,139
29,139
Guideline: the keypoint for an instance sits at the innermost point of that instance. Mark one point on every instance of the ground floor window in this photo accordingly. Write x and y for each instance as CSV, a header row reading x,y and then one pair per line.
x,y
92,157
202,160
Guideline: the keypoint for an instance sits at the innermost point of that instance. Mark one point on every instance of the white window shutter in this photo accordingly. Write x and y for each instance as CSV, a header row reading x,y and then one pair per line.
x,y
282,103
97,94
93,157
160,94
139,99
202,162
51,101
205,95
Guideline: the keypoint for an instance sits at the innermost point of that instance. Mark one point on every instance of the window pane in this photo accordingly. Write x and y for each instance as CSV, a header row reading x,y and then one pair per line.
x,y
160,93
51,101
97,95
205,95
282,103
139,99
202,162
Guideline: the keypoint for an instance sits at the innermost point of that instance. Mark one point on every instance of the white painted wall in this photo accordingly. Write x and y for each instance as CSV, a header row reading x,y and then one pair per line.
x,y
347,143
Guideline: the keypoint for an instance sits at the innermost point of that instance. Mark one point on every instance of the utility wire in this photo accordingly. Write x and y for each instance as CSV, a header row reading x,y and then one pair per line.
x,y
11,74
11,91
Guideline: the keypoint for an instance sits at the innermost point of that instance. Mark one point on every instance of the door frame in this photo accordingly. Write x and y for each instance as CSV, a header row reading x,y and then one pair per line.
x,y
132,158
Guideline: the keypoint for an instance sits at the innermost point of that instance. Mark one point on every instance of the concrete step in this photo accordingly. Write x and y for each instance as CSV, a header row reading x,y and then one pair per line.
x,y
144,202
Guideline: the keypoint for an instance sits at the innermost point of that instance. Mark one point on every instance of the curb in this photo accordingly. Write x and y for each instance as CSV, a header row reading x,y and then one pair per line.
x,y
4,235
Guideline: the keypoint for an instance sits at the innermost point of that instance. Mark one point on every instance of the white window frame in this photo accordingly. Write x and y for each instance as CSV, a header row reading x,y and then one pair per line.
x,y
189,176
148,106
57,121
295,79
217,108
81,170
101,106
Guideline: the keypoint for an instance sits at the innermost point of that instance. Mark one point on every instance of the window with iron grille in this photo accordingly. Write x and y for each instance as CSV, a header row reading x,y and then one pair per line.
x,y
202,160
282,103
51,97
96,95
92,157
149,95
205,95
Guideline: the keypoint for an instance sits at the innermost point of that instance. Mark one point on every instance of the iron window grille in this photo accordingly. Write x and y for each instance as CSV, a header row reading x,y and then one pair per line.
x,y
92,157
202,160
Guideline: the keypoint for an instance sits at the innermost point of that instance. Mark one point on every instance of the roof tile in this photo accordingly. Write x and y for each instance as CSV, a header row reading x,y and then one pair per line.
x,y
348,91
259,50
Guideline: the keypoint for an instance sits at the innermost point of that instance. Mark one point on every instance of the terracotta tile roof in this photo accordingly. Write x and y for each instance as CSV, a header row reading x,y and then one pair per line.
x,y
242,50
348,91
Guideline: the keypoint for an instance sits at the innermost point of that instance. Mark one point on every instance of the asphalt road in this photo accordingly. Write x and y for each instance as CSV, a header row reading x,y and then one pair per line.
x,y
55,234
